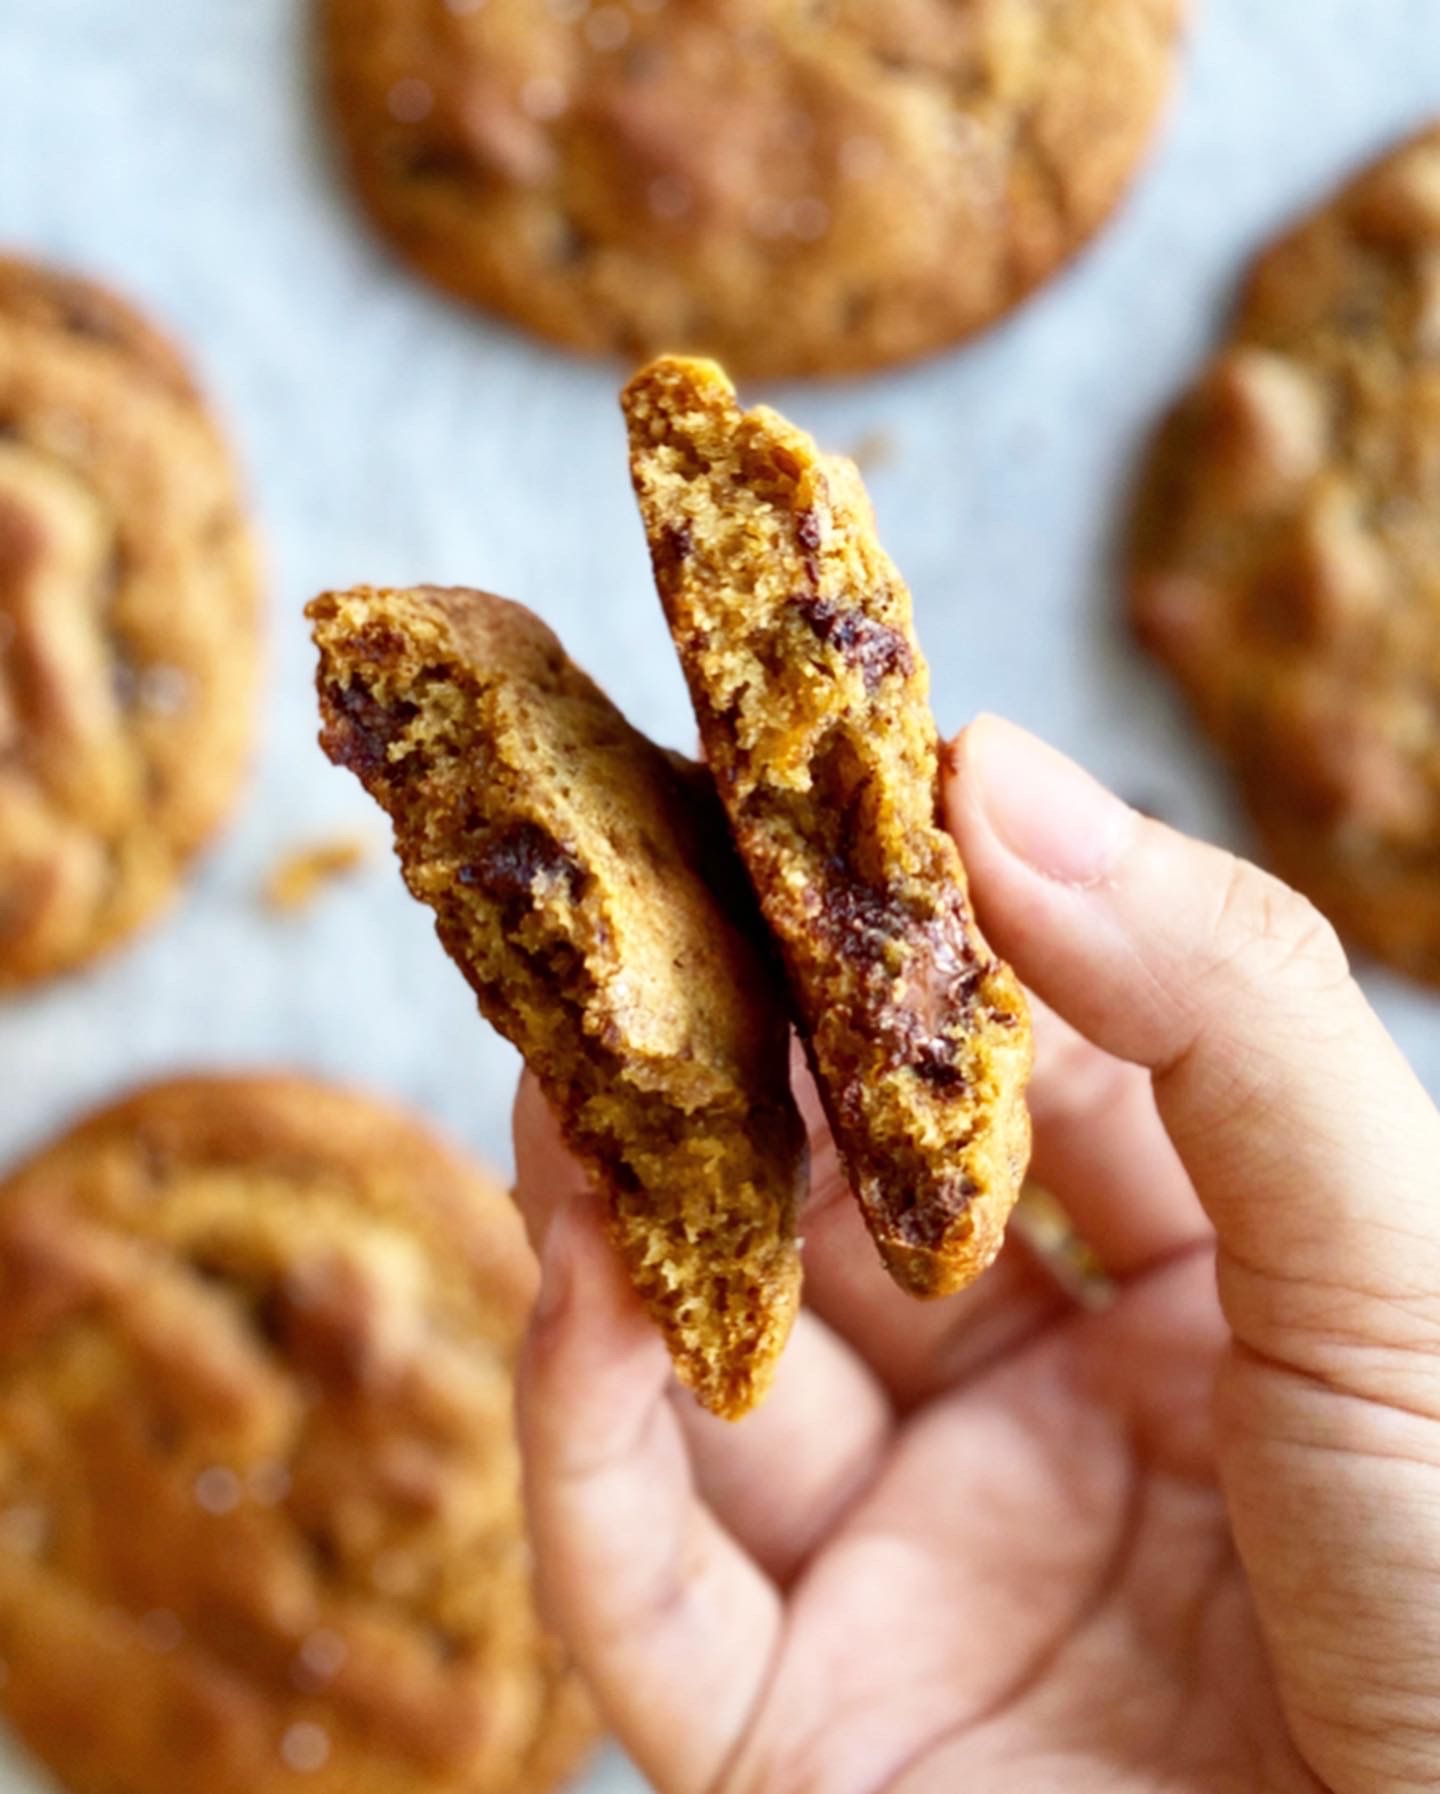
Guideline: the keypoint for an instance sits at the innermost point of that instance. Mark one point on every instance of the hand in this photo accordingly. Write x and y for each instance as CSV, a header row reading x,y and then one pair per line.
x,y
1191,1543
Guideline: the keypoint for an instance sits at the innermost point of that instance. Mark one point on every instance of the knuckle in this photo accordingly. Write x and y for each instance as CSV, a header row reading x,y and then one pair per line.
x,y
1268,932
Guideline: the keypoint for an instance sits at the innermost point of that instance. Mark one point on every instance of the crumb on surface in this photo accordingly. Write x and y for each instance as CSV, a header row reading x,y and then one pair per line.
x,y
302,873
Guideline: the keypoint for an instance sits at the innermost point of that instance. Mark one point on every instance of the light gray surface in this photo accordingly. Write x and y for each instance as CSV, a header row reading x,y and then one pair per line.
x,y
170,146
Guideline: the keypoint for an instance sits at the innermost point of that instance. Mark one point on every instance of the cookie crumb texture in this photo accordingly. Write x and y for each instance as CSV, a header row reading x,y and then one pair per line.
x,y
794,630
302,875
259,1493
1286,554
564,856
796,188
128,622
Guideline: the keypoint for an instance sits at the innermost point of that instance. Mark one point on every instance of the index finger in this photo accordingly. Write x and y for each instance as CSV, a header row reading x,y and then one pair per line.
x,y
1310,1142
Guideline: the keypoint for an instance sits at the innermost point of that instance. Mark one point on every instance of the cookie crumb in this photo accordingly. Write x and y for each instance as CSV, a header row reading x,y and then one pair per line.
x,y
300,875
1047,1230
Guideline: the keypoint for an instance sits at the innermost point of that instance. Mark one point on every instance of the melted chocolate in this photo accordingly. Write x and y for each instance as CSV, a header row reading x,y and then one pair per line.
x,y
508,866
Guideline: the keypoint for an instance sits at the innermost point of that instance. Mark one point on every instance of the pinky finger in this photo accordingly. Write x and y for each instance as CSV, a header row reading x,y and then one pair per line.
x,y
671,1622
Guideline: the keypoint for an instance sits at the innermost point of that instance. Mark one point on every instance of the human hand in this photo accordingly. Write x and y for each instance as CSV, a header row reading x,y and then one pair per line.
x,y
1191,1542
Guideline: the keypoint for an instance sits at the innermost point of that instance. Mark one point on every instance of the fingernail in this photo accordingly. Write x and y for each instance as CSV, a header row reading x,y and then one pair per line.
x,y
557,1268
1047,810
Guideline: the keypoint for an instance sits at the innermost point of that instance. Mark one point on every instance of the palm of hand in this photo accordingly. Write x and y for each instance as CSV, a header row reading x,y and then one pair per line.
x,y
982,1544
1040,1589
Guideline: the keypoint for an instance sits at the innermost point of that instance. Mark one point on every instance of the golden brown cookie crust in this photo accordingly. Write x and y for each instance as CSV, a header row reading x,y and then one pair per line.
x,y
259,1494
795,634
797,189
128,622
567,861
1285,560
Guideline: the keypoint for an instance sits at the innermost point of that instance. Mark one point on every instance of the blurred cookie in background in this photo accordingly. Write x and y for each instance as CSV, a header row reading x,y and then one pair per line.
x,y
798,189
1286,554
259,1494
128,622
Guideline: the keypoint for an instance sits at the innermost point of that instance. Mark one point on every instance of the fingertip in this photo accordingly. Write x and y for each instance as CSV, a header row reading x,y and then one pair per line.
x,y
547,1174
1038,806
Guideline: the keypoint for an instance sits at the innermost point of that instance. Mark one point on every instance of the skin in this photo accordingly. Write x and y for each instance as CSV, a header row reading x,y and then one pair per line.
x,y
1190,1543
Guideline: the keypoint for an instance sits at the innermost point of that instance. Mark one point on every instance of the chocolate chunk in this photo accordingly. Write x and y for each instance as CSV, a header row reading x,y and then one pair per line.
x,y
875,648
360,730
508,867
676,545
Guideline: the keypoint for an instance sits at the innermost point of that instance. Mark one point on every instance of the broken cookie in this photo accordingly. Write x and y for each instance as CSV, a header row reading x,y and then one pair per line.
x,y
567,860
794,630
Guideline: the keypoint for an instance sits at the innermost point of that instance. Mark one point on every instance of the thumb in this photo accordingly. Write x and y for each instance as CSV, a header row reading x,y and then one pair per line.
x,y
1312,1146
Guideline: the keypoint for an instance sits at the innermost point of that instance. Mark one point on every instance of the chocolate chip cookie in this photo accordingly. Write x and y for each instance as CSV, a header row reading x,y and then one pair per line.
x,y
260,1518
794,631
800,189
128,622
576,873
1286,554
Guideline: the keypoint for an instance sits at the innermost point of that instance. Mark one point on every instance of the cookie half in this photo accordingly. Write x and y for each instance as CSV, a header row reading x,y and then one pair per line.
x,y
798,189
794,631
1285,556
128,622
572,869
260,1520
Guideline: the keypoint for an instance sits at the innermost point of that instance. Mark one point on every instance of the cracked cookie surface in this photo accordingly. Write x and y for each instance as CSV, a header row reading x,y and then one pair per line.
x,y
796,188
1285,558
128,622
260,1516
570,865
794,631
